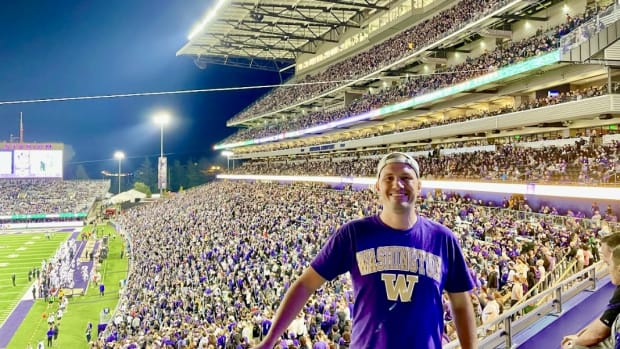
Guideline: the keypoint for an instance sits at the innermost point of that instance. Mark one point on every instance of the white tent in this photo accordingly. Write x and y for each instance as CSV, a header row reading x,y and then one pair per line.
x,y
127,196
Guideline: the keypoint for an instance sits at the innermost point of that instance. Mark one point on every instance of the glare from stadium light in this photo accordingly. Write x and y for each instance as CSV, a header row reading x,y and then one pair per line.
x,y
119,155
161,118
208,17
227,153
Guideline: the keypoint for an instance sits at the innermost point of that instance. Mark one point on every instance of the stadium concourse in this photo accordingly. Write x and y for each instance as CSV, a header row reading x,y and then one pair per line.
x,y
490,91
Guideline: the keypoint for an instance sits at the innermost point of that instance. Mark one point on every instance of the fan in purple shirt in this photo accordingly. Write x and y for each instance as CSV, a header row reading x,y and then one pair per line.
x,y
400,264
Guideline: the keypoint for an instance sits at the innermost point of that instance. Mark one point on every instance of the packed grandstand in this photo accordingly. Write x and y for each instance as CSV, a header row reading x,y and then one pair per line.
x,y
210,265
49,196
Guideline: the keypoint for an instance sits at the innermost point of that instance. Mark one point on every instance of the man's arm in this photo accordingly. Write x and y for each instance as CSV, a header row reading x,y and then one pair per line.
x,y
592,334
464,319
296,297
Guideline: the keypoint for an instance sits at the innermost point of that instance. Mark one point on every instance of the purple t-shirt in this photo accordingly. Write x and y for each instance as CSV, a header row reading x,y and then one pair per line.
x,y
398,277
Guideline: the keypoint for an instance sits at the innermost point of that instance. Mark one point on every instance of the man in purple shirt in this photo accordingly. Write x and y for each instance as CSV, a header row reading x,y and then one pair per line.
x,y
400,264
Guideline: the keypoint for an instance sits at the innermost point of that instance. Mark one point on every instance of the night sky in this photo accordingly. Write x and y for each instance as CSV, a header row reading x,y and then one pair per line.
x,y
74,48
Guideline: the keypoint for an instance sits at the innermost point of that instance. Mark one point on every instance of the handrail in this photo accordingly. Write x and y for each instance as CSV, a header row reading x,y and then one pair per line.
x,y
556,219
518,319
549,280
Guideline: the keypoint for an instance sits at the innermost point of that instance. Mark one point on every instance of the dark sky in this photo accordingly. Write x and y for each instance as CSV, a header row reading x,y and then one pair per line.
x,y
72,48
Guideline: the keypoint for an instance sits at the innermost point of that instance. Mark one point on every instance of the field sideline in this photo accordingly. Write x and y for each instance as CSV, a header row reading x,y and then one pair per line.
x,y
81,309
20,252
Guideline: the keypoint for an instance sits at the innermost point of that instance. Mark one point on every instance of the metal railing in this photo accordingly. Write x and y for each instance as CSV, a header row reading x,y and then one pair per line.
x,y
520,317
553,277
587,30
558,220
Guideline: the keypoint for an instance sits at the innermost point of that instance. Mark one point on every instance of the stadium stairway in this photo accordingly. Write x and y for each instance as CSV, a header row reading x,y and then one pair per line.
x,y
576,314
544,319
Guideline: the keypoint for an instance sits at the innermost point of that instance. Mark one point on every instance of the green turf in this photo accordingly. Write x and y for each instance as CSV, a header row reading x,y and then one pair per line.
x,y
81,309
18,254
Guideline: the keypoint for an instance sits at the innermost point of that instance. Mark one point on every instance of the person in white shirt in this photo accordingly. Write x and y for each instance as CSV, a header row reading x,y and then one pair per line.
x,y
298,326
517,291
490,311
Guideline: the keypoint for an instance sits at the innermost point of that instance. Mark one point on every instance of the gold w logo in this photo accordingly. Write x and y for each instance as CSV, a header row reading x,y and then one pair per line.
x,y
399,286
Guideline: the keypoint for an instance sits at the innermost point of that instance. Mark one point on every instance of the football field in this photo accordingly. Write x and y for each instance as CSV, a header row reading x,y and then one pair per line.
x,y
20,252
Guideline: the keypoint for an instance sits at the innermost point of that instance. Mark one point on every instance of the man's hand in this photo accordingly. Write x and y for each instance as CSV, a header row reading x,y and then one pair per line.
x,y
567,342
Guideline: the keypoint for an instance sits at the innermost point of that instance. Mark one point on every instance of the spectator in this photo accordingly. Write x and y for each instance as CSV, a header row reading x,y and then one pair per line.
x,y
398,185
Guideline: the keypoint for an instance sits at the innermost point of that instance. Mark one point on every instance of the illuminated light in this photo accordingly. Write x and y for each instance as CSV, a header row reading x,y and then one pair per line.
x,y
565,8
161,118
208,17
483,44
562,191
528,25
119,155
497,75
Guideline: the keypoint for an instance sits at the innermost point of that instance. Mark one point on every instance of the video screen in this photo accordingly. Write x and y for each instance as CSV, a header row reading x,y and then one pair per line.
x,y
46,163
6,163
31,164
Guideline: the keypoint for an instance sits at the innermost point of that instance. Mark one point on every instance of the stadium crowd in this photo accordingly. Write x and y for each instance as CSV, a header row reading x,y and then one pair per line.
x,y
397,47
209,266
410,87
562,97
49,196
582,162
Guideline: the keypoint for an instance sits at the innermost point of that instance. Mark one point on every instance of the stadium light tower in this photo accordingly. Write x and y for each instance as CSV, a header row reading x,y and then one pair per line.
x,y
120,156
161,119
228,154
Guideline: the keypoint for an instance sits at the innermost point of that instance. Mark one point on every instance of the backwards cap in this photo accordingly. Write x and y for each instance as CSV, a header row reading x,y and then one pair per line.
x,y
398,157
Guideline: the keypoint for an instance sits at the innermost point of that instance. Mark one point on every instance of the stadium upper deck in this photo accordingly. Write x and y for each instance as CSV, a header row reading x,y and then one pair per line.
x,y
486,39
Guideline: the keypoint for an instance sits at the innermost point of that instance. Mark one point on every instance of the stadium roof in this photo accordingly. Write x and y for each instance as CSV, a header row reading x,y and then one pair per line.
x,y
277,30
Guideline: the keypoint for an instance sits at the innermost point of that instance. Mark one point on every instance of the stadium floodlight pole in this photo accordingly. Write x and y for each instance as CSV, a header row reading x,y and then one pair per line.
x,y
228,154
161,119
120,156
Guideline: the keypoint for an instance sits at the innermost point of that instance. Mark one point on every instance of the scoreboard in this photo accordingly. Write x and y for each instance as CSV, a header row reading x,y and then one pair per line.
x,y
31,160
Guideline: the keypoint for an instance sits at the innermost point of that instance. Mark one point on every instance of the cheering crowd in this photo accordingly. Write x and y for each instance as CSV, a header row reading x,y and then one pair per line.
x,y
210,265
409,87
49,196
586,162
563,97
378,56
573,95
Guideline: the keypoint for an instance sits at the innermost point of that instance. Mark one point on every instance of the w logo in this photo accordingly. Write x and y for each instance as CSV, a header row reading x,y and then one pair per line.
x,y
399,286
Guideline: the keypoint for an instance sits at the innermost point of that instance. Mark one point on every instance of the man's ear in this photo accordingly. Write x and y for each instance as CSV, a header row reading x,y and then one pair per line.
x,y
377,186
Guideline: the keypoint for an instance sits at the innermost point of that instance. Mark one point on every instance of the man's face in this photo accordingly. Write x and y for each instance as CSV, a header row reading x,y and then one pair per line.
x,y
398,188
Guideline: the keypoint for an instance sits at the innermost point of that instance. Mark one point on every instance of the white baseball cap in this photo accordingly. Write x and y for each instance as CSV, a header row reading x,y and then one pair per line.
x,y
398,157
